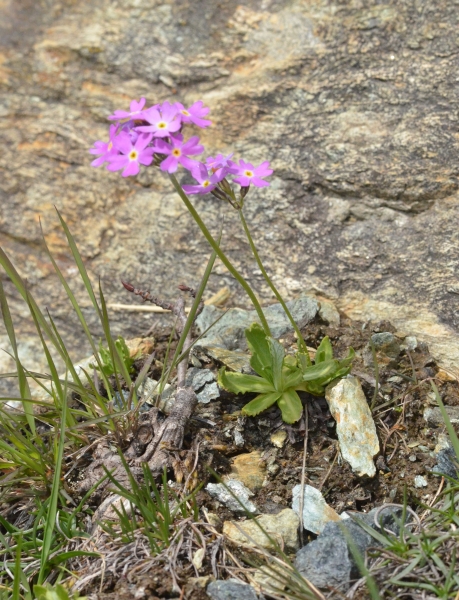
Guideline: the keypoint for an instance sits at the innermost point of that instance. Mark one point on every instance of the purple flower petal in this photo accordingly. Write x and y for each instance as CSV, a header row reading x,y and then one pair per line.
x,y
134,113
143,140
131,169
247,174
170,164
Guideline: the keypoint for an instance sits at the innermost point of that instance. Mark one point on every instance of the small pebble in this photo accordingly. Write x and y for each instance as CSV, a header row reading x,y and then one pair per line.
x,y
420,481
412,457
278,438
238,438
410,343
236,498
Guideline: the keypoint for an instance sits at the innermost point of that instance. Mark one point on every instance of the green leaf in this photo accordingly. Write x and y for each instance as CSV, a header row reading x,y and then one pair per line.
x,y
325,351
261,360
316,385
290,405
303,360
260,403
292,378
277,360
290,362
323,369
239,383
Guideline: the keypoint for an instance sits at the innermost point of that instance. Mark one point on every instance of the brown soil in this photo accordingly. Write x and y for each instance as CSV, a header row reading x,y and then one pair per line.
x,y
406,442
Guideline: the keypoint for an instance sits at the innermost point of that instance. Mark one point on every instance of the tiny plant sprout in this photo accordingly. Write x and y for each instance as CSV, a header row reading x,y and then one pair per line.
x,y
154,136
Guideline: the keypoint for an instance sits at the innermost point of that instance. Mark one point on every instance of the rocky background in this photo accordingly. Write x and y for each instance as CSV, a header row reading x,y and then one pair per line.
x,y
355,103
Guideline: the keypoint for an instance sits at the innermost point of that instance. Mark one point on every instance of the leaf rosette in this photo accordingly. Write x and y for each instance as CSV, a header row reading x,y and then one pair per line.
x,y
279,377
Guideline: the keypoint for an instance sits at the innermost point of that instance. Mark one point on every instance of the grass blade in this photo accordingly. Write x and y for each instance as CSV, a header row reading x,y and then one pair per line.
x,y
449,427
80,264
52,506
16,595
24,389
192,314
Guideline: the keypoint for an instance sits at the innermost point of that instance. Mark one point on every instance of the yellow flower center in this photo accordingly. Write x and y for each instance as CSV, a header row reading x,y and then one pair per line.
x,y
162,125
110,146
133,155
205,183
176,152
185,112
248,173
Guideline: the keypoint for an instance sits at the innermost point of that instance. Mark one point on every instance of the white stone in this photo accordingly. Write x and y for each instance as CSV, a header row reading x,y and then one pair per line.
x,y
316,512
420,481
354,424
236,498
282,528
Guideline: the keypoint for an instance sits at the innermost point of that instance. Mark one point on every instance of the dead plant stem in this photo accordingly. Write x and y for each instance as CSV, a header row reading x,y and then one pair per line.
x,y
303,472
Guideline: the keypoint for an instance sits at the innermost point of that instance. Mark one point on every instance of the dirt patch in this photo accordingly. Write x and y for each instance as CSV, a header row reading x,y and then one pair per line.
x,y
400,392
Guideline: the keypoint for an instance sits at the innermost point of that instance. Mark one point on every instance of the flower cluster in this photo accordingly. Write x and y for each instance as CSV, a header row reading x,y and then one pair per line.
x,y
145,136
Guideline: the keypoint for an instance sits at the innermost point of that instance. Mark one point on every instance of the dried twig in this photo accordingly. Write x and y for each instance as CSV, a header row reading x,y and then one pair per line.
x,y
171,432
303,472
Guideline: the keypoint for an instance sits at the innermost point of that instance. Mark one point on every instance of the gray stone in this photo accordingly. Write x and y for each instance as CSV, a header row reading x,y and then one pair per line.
x,y
204,383
229,331
329,313
386,342
355,427
434,417
238,501
328,560
410,343
386,346
447,461
357,113
325,562
316,512
231,589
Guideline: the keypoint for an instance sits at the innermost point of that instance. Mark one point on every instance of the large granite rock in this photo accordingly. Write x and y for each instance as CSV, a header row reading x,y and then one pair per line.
x,y
355,103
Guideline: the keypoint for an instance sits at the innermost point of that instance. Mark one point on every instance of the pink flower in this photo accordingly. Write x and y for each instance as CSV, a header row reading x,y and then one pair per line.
x,y
162,121
219,162
178,152
248,174
133,154
207,182
136,111
194,114
105,149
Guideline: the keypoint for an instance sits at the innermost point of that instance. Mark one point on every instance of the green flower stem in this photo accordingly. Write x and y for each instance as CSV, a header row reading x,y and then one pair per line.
x,y
271,284
215,247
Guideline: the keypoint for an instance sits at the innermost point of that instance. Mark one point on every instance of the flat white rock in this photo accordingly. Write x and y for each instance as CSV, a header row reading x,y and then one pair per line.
x,y
316,512
354,424
281,528
236,498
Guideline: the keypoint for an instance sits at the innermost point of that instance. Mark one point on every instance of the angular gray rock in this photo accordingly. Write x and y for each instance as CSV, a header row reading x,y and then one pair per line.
x,y
237,499
357,113
231,589
447,461
434,417
228,332
386,346
328,561
316,512
204,383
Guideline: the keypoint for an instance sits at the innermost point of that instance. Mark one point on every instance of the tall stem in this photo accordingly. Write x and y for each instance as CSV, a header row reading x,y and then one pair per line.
x,y
301,341
215,247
